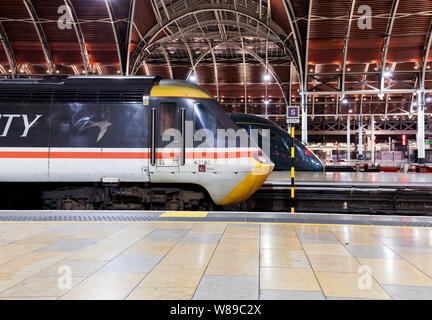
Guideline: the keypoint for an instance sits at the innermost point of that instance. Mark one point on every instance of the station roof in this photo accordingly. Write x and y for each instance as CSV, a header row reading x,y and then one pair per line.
x,y
326,47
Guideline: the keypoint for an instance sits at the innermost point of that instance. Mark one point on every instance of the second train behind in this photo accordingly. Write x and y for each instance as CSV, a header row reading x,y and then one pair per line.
x,y
280,144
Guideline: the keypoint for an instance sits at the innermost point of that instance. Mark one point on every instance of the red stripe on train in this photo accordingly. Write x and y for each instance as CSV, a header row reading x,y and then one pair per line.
x,y
121,155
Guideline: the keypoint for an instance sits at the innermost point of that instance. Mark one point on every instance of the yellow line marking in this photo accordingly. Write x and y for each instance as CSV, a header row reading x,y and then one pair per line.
x,y
186,214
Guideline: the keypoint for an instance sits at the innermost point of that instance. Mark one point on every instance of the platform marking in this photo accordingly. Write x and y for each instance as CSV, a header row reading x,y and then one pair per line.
x,y
185,214
225,222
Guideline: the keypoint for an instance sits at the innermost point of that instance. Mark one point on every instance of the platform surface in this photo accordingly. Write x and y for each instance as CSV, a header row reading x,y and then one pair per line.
x,y
327,258
353,178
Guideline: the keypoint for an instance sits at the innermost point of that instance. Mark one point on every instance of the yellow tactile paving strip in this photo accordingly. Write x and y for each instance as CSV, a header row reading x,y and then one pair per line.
x,y
185,214
126,260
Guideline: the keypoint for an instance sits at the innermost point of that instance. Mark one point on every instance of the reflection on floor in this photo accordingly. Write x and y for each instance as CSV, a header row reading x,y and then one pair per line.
x,y
119,260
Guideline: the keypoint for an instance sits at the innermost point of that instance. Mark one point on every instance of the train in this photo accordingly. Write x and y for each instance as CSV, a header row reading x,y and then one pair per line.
x,y
280,143
77,143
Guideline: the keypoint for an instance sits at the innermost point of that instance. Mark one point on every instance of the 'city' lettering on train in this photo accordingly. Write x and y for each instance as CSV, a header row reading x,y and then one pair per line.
x,y
14,117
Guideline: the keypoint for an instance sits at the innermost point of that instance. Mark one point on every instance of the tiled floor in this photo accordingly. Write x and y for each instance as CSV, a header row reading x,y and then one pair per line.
x,y
148,260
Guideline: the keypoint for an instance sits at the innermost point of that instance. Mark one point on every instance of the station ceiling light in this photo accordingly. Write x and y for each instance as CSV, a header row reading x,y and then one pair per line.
x,y
387,74
267,77
193,78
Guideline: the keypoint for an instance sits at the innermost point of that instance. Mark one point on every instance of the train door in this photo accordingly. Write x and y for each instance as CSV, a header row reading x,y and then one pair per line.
x,y
166,137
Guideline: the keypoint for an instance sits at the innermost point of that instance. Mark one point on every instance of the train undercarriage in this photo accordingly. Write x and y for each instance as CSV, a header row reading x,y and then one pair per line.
x,y
98,196
171,197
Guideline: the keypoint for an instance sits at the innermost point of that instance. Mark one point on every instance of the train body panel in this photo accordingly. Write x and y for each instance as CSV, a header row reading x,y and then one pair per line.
x,y
160,132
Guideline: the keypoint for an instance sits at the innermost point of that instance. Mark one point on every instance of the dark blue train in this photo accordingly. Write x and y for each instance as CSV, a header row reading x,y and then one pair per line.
x,y
280,145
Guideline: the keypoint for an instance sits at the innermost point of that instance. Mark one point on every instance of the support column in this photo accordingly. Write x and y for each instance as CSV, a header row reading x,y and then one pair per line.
x,y
304,134
360,143
372,150
421,128
348,139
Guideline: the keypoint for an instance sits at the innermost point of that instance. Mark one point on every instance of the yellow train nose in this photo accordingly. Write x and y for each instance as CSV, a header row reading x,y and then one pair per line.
x,y
250,184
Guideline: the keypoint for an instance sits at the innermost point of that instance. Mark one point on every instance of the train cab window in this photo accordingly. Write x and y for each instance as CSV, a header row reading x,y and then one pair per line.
x,y
203,119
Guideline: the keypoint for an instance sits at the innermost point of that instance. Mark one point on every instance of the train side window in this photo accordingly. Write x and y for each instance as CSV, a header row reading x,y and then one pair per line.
x,y
168,113
169,125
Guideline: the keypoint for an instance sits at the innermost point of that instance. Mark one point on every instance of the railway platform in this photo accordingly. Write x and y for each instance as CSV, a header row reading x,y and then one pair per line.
x,y
213,255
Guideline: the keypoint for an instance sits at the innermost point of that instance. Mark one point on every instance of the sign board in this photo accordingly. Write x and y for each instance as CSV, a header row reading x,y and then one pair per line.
x,y
293,114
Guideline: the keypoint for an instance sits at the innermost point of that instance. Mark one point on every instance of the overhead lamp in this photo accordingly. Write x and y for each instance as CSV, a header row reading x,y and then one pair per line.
x,y
387,74
266,101
267,77
345,101
193,78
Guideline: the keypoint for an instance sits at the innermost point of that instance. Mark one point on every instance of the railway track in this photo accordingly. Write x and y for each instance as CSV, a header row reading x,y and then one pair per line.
x,y
365,199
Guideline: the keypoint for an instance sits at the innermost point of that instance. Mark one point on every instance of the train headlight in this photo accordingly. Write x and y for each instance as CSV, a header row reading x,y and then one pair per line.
x,y
261,158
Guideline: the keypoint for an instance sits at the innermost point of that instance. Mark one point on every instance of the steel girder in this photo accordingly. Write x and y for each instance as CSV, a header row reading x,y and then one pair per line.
x,y
245,50
9,51
41,34
79,34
